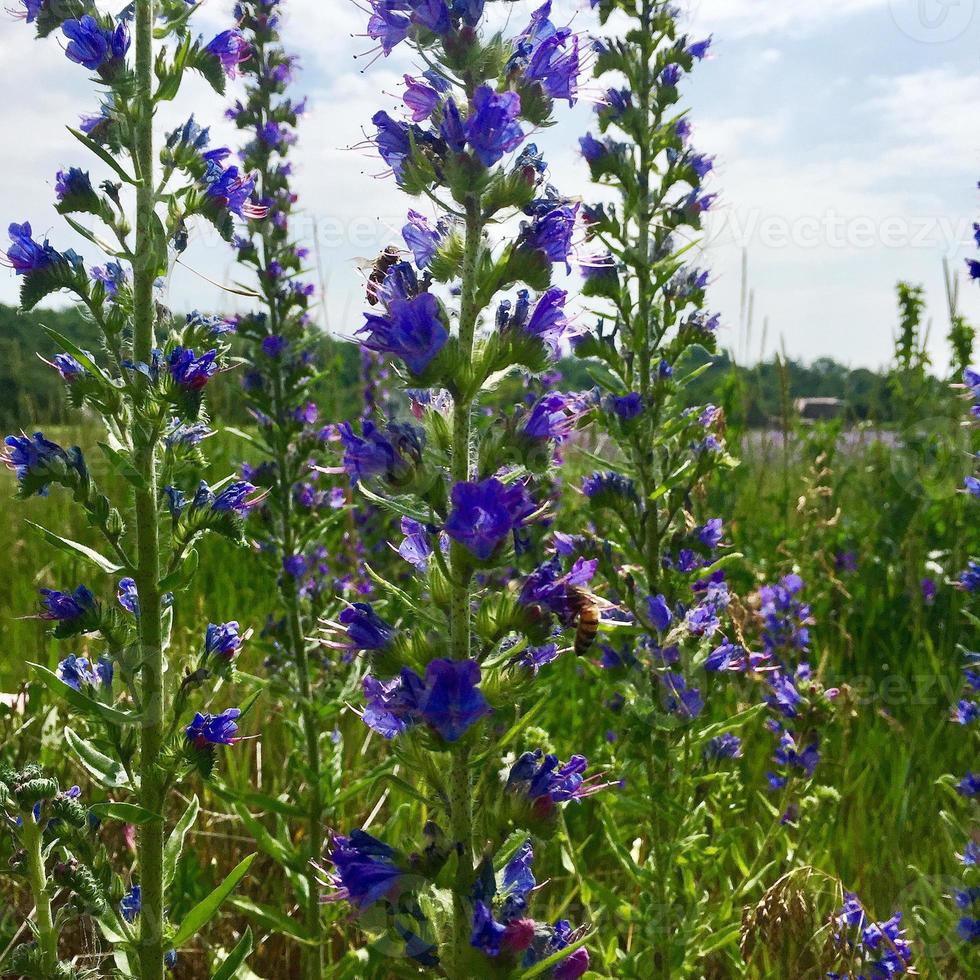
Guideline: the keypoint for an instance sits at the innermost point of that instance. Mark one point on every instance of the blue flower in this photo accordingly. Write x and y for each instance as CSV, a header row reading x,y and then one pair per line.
x,y
364,869
234,499
387,24
76,671
231,49
548,781
421,238
448,700
222,640
969,785
33,457
546,586
725,746
551,233
129,906
671,75
484,513
659,612
128,596
232,190
190,371
26,255
678,697
93,46
554,63
969,578
698,49
66,606
112,276
628,406
68,367
31,9
491,127
376,455
547,320
552,416
609,489
420,97
710,534
413,330
416,547
209,729
72,182
364,628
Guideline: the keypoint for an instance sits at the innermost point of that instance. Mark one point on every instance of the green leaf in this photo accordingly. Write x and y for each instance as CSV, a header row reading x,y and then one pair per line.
x,y
272,918
175,842
126,812
74,548
121,464
231,963
83,357
103,154
203,912
108,772
281,853
80,701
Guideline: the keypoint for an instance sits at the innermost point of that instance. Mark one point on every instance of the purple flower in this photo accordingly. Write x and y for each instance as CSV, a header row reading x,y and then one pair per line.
x,y
364,629
416,547
928,587
231,49
388,24
484,513
364,869
232,190
710,534
491,128
420,97
448,700
413,330
26,255
421,238
966,712
75,672
551,233
222,640
130,904
233,499
72,182
969,578
972,486
392,456
609,488
32,457
31,10
555,64
213,729
128,596
628,406
969,785
548,321
659,612
548,781
64,607
546,586
699,49
91,45
295,565
552,416
725,746
189,371
671,75
678,698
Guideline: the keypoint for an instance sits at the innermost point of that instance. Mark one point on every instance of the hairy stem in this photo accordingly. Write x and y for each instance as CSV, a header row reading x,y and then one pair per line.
x,y
460,788
147,572
47,938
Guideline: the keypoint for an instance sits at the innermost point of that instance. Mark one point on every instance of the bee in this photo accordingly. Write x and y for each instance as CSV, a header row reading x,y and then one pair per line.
x,y
587,608
378,270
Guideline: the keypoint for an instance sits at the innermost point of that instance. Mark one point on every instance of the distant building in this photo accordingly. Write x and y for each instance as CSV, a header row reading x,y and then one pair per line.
x,y
818,409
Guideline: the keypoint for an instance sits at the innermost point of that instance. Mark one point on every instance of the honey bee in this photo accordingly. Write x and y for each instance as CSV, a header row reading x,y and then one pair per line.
x,y
378,270
587,609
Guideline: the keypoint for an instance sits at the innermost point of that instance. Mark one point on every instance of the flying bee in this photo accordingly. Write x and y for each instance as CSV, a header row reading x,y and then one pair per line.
x,y
378,270
587,608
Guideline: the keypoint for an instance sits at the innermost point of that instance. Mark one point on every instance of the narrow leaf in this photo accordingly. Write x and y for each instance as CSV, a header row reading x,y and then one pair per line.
x,y
231,963
202,913
108,772
79,701
75,548
175,842
103,154
126,812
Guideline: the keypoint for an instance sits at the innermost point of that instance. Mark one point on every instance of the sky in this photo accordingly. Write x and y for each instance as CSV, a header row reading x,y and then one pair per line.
x,y
847,159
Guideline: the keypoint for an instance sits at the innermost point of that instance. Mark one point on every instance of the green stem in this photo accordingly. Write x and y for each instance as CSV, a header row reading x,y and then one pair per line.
x,y
460,795
313,953
147,573
47,938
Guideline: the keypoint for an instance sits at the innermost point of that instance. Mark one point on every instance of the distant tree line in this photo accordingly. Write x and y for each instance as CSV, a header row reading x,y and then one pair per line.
x,y
755,395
